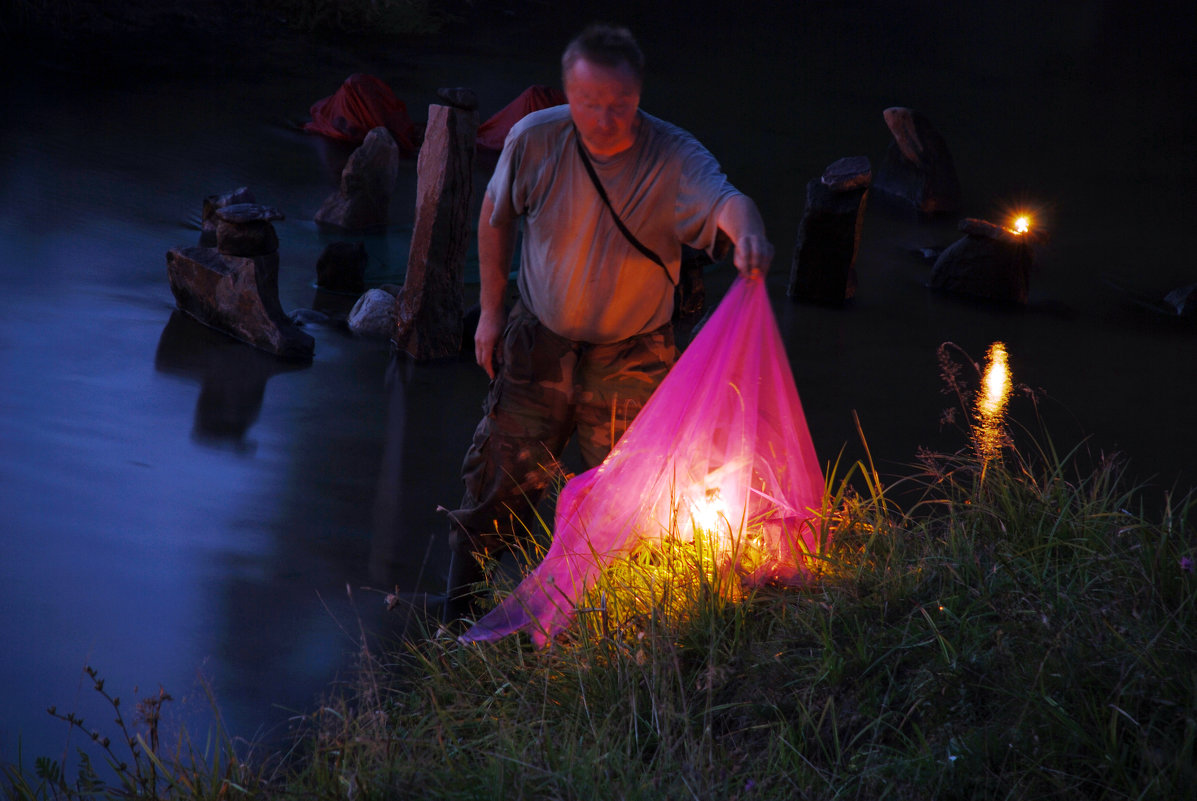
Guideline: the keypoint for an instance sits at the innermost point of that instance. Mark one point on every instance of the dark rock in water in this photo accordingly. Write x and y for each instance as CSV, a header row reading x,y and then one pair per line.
x,y
989,263
342,267
459,97
367,183
244,229
824,265
1183,300
237,295
213,203
431,303
917,170
374,314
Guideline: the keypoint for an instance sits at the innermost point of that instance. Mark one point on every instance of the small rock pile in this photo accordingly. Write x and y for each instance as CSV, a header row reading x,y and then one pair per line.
x,y
233,285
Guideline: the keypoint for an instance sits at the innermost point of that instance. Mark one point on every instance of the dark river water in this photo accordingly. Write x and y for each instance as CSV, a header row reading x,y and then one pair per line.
x,y
175,505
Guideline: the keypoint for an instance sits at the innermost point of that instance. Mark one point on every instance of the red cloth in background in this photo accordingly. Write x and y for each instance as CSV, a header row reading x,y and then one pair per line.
x,y
492,132
362,103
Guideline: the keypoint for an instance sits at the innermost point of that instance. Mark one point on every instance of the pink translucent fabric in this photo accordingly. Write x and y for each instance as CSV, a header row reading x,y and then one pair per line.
x,y
725,425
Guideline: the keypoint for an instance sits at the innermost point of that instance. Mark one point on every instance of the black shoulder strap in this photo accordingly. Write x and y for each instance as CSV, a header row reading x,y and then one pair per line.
x,y
623,229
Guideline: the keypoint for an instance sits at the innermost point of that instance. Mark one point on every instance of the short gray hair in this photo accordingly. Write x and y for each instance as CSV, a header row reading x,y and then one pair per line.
x,y
608,45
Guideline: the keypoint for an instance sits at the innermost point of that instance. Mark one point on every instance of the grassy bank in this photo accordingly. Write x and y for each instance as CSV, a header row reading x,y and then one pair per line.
x,y
1021,629
1027,636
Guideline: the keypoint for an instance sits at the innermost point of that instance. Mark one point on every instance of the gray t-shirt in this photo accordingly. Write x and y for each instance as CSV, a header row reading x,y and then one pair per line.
x,y
578,274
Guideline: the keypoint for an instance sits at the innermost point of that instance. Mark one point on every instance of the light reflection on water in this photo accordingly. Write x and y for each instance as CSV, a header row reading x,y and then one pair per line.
x,y
989,430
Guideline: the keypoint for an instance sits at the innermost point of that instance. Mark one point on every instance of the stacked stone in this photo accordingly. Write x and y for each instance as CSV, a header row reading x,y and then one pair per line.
x,y
824,266
233,287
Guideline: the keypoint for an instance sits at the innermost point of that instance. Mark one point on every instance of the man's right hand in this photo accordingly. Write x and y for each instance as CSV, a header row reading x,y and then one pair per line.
x,y
486,337
495,243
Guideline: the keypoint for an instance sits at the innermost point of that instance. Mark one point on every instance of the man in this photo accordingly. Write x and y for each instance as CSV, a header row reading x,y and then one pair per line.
x,y
590,337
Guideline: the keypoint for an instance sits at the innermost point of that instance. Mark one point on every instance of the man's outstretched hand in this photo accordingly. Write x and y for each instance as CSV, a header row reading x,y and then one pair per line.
x,y
741,221
754,254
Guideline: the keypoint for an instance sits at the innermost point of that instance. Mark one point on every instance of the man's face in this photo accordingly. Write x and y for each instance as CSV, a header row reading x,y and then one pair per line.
x,y
603,103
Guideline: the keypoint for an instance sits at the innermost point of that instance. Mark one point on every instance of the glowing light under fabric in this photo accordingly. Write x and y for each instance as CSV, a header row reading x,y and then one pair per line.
x,y
720,456
709,511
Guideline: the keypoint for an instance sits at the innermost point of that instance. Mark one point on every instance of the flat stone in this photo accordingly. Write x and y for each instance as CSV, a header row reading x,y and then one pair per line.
x,y
459,97
245,213
847,174
213,203
1000,233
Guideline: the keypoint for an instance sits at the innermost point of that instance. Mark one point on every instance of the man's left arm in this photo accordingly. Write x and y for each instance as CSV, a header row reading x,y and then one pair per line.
x,y
740,219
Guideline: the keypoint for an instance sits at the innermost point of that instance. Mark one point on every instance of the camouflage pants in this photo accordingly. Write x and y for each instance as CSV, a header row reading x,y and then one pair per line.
x,y
547,389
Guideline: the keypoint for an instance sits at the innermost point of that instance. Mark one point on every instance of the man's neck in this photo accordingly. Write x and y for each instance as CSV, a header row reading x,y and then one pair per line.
x,y
610,152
